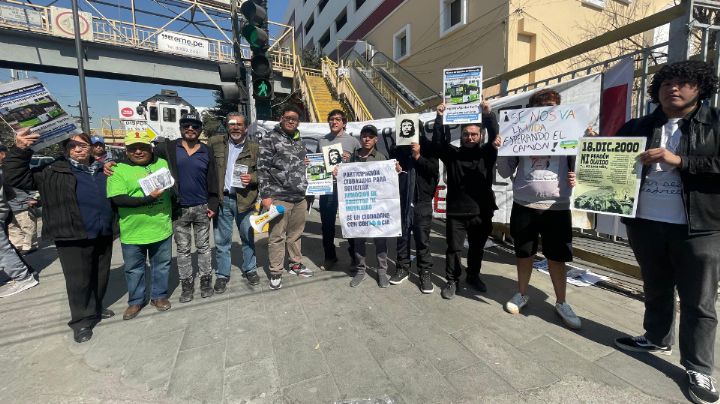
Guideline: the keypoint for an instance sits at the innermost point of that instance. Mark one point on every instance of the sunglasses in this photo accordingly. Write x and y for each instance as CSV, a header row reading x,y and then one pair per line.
x,y
142,147
189,126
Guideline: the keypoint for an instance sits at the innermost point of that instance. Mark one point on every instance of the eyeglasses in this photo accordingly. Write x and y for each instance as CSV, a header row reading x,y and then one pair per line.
x,y
191,126
134,147
73,144
290,119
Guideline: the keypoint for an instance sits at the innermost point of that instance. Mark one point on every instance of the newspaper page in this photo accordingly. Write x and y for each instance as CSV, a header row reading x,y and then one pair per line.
x,y
238,170
28,104
160,179
320,181
608,175
463,95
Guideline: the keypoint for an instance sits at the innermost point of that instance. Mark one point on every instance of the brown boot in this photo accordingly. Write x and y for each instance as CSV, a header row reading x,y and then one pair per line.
x,y
132,311
161,304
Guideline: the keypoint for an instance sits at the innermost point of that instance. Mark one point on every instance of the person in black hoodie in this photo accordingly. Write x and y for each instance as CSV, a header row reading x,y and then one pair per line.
x,y
470,198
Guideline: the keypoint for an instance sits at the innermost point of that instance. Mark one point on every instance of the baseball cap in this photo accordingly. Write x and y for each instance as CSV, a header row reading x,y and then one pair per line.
x,y
137,136
96,139
191,118
371,129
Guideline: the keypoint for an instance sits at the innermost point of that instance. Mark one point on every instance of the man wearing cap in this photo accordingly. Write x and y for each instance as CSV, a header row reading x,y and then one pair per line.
x,y
99,152
145,224
235,159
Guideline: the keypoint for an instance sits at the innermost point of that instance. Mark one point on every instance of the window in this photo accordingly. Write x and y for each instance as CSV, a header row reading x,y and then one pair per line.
x,y
453,15
340,21
324,40
183,112
169,115
358,4
309,24
321,5
153,114
401,43
599,4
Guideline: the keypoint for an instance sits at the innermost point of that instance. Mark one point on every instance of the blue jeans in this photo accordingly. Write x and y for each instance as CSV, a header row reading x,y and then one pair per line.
x,y
134,255
223,232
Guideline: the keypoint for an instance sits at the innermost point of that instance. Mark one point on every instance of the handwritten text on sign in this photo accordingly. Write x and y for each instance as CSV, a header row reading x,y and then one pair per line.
x,y
543,131
369,199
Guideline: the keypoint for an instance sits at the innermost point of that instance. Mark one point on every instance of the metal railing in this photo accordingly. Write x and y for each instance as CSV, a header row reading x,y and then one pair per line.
x,y
305,89
381,84
344,88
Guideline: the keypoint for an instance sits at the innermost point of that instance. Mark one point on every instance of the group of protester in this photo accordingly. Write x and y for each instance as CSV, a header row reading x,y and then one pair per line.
x,y
675,235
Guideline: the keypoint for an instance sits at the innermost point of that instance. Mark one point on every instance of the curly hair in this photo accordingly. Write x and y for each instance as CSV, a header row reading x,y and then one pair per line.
x,y
541,97
695,72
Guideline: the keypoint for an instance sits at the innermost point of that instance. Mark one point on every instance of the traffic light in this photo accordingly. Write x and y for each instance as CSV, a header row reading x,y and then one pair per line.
x,y
236,92
255,33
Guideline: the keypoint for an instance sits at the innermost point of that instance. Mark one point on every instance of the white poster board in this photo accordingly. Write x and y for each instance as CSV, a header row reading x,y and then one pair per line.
x,y
173,42
462,95
544,131
407,131
332,156
320,181
369,199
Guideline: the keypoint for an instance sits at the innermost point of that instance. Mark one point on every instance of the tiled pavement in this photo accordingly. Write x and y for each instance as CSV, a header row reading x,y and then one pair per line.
x,y
319,341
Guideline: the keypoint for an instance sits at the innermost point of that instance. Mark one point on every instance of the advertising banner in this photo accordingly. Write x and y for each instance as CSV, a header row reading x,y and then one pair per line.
x,y
608,175
463,95
369,199
28,104
544,131
173,42
320,181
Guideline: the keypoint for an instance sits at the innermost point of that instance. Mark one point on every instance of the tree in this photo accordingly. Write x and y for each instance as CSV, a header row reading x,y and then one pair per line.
x,y
311,58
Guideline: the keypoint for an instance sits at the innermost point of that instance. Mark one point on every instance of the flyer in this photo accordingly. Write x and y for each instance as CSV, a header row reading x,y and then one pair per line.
x,y
369,199
28,104
543,131
332,155
160,179
320,182
463,95
407,130
608,175
238,170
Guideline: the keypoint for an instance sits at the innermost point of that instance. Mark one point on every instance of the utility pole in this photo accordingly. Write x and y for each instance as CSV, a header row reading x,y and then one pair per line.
x,y
84,115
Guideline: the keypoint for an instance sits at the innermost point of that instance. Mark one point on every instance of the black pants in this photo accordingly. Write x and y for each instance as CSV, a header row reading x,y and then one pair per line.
x,y
86,265
328,213
419,230
669,258
477,228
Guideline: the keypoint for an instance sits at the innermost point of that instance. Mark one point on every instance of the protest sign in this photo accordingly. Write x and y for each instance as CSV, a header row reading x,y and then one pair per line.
x,y
332,155
160,179
320,181
369,199
406,129
608,175
463,95
543,131
28,104
238,171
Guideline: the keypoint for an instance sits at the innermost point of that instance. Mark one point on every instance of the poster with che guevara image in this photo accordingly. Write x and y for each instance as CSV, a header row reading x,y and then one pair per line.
x,y
407,130
333,155
608,175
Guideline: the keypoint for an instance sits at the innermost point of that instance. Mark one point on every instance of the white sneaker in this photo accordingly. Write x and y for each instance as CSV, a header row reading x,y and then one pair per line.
x,y
568,315
15,287
275,282
518,301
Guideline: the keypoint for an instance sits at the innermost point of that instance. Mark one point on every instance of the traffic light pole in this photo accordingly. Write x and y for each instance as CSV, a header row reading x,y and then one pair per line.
x,y
263,108
236,43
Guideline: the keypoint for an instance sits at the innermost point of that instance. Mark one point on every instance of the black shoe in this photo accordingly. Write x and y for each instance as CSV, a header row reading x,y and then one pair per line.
x,y
448,291
206,289
82,335
641,344
477,284
253,278
220,284
329,263
701,388
400,275
106,313
426,285
188,289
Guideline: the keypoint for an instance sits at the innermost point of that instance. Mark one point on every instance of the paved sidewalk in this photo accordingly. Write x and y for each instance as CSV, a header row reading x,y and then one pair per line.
x,y
319,341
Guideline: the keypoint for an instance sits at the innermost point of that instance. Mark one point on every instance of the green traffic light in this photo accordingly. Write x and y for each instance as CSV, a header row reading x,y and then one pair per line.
x,y
262,89
256,37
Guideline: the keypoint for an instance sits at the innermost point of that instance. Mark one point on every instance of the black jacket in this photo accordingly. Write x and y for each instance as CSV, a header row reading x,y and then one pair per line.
x,y
167,150
426,169
700,167
469,171
56,182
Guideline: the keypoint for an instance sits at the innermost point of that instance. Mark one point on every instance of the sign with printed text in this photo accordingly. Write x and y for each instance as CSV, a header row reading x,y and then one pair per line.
x,y
64,26
463,95
544,131
320,181
369,199
173,42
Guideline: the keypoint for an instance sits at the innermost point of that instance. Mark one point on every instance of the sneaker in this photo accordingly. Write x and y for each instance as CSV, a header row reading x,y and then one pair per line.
x,y
275,282
188,290
400,275
299,269
477,284
15,287
518,301
567,315
328,264
359,276
641,344
220,285
383,280
702,388
448,291
426,285
206,289
252,278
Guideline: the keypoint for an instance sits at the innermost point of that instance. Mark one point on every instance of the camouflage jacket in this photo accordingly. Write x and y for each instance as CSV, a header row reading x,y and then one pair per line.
x,y
281,167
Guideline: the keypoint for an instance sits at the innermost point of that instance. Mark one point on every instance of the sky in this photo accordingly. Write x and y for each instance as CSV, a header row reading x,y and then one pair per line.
x,y
103,94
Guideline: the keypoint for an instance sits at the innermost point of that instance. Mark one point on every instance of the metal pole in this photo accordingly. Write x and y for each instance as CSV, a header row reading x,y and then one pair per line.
x,y
643,84
678,48
236,44
132,10
715,98
704,44
84,115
